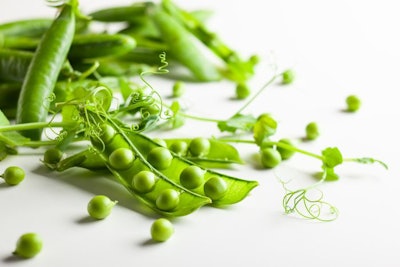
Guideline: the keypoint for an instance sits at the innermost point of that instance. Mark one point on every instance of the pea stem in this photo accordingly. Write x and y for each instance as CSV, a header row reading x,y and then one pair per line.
x,y
34,125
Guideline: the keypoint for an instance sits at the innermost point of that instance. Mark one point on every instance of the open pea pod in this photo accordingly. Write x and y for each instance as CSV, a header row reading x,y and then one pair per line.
x,y
233,189
219,154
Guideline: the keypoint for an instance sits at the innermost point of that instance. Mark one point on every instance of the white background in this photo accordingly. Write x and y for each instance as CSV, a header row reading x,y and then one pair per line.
x,y
337,48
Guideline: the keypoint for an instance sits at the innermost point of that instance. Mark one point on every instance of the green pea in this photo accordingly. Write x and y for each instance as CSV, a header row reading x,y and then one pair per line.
x,y
288,76
179,147
144,181
168,199
270,157
178,89
13,175
286,153
242,91
121,158
28,245
199,146
160,158
353,103
161,230
160,142
107,133
192,177
312,131
215,188
100,206
52,155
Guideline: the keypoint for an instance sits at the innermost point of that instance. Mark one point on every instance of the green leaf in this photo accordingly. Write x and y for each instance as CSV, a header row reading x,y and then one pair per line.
x,y
237,122
264,127
332,157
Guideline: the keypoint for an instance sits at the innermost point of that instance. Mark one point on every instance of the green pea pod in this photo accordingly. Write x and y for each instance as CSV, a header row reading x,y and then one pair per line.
x,y
9,93
220,154
121,13
14,64
183,47
237,189
28,28
100,45
49,57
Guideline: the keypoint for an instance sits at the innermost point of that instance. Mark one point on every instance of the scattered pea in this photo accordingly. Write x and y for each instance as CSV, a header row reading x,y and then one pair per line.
x,y
161,230
215,188
199,146
160,158
121,158
353,103
100,206
192,177
13,175
312,131
28,245
286,153
242,91
179,147
52,155
288,76
270,157
168,199
144,181
178,89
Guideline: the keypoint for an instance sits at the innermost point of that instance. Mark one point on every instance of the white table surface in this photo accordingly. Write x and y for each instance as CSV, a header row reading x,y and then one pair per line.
x,y
336,48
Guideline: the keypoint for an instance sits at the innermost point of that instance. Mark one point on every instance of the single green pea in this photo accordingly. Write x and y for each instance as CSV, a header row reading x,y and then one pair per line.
x,y
270,157
13,175
286,153
160,142
160,158
199,146
168,199
144,181
28,245
107,133
52,156
312,131
242,91
178,89
161,230
192,177
215,188
100,206
179,147
121,158
353,103
288,76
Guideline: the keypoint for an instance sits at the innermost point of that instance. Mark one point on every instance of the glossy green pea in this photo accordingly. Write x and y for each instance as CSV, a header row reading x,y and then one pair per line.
x,y
353,103
121,158
52,155
242,91
168,199
270,157
161,230
178,89
13,175
312,131
215,188
100,206
288,76
199,146
285,153
160,158
107,133
160,142
192,177
28,245
144,181
179,147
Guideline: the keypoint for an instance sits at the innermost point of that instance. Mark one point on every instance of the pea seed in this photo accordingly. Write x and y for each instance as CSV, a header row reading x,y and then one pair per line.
x,y
144,181
161,230
242,91
192,177
353,103
160,142
288,76
52,156
160,158
99,207
13,175
178,89
179,147
199,146
215,188
107,133
312,131
168,199
121,158
285,153
270,157
28,245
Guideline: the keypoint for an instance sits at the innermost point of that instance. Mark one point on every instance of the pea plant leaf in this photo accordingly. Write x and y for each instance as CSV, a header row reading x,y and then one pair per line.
x,y
264,128
237,122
